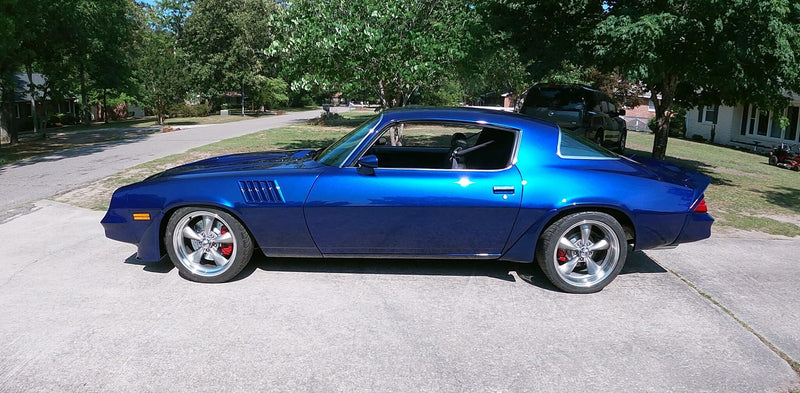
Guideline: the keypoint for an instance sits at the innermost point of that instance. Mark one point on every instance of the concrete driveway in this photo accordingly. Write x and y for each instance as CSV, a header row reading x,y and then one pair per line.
x,y
78,313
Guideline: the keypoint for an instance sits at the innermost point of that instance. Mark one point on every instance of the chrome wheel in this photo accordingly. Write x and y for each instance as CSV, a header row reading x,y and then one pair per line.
x,y
204,243
583,252
586,253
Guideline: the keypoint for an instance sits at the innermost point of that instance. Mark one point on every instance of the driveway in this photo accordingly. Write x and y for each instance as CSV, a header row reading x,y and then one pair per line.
x,y
79,313
42,177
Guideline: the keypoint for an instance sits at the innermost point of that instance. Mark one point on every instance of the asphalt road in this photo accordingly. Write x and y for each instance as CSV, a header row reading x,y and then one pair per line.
x,y
80,314
42,177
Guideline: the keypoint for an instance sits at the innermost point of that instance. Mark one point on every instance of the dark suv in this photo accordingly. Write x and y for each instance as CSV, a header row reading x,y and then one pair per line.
x,y
580,109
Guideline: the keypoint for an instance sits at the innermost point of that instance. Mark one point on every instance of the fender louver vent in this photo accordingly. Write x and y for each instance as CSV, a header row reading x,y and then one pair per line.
x,y
261,191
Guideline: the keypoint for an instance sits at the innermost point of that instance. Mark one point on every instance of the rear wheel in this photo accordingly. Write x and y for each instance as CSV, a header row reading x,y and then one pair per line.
x,y
623,137
598,137
773,160
207,245
583,252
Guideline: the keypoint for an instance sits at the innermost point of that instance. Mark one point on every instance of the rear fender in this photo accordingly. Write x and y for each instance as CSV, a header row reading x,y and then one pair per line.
x,y
524,248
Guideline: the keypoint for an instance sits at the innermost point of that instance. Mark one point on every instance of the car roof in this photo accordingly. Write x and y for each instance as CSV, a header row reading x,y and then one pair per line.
x,y
475,115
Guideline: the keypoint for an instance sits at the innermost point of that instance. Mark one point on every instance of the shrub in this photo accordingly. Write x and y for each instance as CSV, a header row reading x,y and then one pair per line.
x,y
677,124
183,110
698,138
327,119
63,118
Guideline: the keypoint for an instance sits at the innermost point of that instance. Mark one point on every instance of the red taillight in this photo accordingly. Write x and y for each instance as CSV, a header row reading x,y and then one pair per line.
x,y
701,207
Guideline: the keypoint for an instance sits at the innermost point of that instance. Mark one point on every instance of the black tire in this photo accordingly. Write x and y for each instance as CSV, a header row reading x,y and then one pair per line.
x,y
773,160
197,241
623,139
598,137
575,269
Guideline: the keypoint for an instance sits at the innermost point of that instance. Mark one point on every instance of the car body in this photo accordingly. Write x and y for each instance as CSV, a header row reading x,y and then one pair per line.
x,y
516,189
581,109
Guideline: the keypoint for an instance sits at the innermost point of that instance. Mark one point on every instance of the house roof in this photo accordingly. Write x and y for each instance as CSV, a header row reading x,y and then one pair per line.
x,y
21,93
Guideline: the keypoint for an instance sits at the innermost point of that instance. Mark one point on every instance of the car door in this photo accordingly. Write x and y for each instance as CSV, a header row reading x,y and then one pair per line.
x,y
414,211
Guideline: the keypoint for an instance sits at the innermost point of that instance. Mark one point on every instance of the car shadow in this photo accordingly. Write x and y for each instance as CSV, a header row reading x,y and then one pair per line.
x,y
530,273
164,265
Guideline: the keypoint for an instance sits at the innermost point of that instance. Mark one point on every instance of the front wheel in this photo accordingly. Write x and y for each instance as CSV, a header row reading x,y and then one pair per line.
x,y
207,245
583,252
773,160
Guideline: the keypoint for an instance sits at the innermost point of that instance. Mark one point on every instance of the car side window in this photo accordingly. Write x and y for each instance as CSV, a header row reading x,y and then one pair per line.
x,y
442,145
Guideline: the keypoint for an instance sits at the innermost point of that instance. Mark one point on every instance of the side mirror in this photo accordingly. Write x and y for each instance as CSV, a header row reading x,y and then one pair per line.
x,y
367,165
622,112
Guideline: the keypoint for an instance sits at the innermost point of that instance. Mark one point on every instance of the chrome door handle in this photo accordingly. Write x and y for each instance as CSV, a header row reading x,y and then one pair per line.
x,y
503,189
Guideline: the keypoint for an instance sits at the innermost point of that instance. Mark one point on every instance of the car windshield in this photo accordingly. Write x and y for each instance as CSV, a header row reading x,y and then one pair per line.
x,y
552,98
337,153
576,146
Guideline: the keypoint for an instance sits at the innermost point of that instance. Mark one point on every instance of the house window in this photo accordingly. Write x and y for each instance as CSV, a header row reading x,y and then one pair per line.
x,y
709,114
763,123
793,114
17,107
651,106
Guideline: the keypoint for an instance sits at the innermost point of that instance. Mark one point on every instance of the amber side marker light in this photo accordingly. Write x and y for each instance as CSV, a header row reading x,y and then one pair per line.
x,y
141,216
701,207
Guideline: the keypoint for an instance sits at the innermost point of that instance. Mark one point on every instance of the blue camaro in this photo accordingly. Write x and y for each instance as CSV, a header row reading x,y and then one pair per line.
x,y
419,183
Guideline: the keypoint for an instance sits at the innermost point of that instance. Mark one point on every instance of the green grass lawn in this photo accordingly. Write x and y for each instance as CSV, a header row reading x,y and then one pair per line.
x,y
745,193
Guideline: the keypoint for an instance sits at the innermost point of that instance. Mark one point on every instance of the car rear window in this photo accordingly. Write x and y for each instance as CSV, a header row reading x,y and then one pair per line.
x,y
576,146
554,98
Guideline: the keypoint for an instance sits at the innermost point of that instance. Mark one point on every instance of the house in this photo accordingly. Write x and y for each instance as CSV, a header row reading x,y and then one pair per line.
x,y
745,125
21,108
639,116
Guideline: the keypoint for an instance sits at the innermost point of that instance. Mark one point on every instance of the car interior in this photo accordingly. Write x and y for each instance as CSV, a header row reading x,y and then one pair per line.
x,y
443,146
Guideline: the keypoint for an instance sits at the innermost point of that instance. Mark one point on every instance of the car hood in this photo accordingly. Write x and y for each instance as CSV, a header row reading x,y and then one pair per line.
x,y
243,162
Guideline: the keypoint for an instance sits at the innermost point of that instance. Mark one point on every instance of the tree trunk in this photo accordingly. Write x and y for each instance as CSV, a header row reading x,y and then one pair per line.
x,y
45,117
666,88
105,106
87,117
8,125
242,98
382,94
32,93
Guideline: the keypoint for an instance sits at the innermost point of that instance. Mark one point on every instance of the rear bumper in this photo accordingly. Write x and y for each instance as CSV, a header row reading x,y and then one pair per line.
x,y
697,227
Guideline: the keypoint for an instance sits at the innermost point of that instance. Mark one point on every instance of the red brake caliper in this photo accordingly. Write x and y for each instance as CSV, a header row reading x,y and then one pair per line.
x,y
562,256
226,249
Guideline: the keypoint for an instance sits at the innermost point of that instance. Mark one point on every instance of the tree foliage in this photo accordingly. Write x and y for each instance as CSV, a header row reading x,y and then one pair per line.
x,y
160,73
699,52
225,41
685,52
393,48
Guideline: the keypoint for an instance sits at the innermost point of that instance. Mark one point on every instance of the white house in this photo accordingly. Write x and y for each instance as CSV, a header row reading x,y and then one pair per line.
x,y
745,125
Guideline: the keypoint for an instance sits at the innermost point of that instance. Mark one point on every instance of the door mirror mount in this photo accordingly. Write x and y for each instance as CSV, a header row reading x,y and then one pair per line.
x,y
366,165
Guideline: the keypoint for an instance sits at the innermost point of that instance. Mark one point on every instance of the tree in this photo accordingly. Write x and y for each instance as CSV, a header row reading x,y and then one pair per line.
x,y
549,36
697,52
689,52
160,75
9,44
389,47
270,93
226,41
99,37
